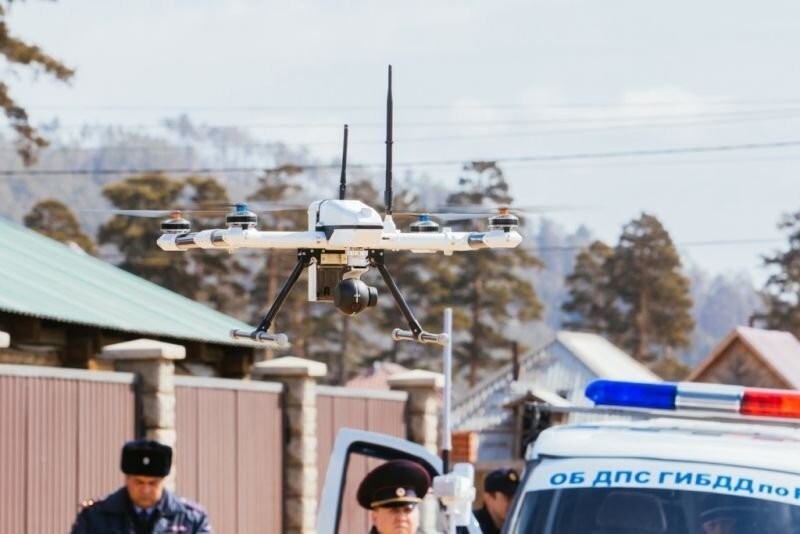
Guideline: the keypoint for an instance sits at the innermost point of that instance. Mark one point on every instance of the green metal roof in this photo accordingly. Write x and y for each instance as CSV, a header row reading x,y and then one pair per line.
x,y
43,278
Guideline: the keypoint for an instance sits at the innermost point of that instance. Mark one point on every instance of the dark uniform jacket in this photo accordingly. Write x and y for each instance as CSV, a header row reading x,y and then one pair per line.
x,y
115,515
485,521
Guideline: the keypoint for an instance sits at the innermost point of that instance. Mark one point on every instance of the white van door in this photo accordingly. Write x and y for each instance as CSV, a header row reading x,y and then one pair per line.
x,y
354,448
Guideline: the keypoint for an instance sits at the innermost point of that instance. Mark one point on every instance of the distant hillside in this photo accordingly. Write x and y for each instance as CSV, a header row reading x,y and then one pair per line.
x,y
95,151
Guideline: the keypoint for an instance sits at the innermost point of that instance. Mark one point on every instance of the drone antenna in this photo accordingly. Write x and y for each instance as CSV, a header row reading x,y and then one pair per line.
x,y
387,198
343,179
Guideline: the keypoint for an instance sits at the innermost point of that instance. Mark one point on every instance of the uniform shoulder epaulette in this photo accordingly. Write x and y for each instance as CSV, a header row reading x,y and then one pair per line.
x,y
192,505
88,503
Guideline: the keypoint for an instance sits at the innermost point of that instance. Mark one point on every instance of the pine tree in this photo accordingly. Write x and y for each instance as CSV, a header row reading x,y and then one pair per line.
x,y
645,275
18,52
590,304
212,277
635,294
55,220
483,287
781,293
135,238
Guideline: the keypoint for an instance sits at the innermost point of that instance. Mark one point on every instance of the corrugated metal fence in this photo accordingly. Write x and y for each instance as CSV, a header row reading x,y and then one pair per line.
x,y
60,436
378,411
61,431
229,454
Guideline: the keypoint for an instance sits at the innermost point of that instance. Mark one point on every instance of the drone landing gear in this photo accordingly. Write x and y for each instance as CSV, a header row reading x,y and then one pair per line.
x,y
260,333
304,256
416,333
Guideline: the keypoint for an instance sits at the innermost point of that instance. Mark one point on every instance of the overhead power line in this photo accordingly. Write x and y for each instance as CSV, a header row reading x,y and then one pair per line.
x,y
592,118
433,106
423,163
435,138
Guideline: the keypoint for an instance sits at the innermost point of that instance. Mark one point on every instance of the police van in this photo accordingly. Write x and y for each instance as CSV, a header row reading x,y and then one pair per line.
x,y
687,458
715,459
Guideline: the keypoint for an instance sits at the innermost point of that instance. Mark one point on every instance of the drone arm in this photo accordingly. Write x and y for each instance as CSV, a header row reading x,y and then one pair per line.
x,y
233,238
192,240
449,241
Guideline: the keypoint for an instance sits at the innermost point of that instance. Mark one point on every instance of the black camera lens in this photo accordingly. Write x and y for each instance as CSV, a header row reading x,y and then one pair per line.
x,y
352,296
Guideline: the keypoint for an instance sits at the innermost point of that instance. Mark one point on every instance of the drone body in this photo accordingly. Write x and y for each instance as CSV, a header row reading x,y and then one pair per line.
x,y
343,225
344,239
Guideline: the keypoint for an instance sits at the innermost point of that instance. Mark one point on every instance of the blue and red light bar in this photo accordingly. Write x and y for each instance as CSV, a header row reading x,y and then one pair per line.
x,y
696,396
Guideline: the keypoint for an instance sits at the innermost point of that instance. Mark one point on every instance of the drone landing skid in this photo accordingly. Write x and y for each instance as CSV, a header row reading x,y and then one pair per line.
x,y
416,333
278,341
304,257
423,337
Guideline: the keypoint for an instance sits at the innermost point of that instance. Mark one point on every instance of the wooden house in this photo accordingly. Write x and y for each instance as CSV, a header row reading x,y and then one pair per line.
x,y
753,357
60,306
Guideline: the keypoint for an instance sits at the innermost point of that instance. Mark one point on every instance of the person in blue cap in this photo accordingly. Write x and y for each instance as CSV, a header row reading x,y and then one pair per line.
x,y
499,488
392,492
143,505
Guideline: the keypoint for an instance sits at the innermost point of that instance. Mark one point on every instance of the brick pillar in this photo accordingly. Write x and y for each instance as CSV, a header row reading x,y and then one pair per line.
x,y
152,363
299,379
422,422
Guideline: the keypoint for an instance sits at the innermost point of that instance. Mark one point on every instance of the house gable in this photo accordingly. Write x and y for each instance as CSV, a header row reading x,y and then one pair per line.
x,y
753,357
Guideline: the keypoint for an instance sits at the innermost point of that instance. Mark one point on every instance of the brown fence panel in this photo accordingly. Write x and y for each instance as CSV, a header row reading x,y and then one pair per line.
x,y
52,415
13,454
352,413
387,417
60,435
260,463
229,452
325,437
106,419
376,411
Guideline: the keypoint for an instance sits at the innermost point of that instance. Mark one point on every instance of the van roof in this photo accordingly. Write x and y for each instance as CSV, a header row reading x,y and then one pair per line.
x,y
744,445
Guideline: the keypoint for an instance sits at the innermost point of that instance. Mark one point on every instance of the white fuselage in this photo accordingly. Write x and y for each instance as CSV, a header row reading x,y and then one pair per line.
x,y
342,225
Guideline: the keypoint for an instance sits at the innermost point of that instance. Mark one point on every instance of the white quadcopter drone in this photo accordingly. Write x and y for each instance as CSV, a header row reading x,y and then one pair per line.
x,y
345,238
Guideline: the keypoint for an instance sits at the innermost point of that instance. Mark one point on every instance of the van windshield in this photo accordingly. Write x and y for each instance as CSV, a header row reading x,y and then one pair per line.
x,y
651,511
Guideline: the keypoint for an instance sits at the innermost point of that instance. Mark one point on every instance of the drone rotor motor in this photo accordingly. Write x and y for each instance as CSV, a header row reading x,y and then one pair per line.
x,y
175,225
424,224
241,217
505,221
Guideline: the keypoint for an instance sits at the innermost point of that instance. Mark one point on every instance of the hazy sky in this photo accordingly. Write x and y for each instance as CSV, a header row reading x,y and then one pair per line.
x,y
513,81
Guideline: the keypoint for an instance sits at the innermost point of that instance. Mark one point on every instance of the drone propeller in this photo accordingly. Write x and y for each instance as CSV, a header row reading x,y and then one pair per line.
x,y
265,206
151,214
483,209
455,213
210,209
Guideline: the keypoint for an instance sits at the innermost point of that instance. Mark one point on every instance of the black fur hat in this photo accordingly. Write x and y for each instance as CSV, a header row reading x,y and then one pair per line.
x,y
147,458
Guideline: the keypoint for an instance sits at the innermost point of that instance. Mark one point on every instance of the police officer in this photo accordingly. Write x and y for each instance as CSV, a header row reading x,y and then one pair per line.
x,y
143,505
499,488
392,492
